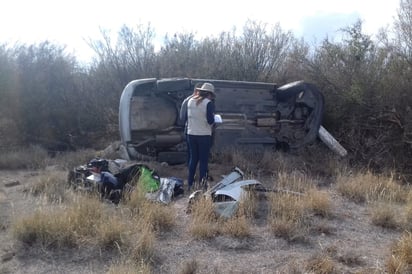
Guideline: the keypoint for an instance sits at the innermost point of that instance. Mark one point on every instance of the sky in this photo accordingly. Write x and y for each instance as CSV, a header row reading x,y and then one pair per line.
x,y
71,23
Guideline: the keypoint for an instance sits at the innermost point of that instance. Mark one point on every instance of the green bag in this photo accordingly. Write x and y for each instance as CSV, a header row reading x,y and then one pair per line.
x,y
149,182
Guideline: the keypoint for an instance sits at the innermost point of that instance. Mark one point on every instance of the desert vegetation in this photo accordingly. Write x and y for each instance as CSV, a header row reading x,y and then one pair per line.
x,y
324,214
138,233
50,100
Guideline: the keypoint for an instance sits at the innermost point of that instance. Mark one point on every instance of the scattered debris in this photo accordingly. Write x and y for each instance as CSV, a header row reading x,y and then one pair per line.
x,y
227,193
126,175
169,188
12,183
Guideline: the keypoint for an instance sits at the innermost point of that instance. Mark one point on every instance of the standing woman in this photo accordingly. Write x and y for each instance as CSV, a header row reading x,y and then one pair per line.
x,y
200,119
183,118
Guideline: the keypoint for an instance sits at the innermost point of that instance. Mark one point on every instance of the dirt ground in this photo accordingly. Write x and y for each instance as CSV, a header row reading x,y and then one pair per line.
x,y
347,236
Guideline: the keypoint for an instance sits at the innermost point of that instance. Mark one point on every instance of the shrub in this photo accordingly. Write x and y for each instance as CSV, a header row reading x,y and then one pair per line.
x,y
237,226
70,159
401,259
319,202
32,157
158,216
52,185
363,187
143,246
287,216
321,264
384,215
203,223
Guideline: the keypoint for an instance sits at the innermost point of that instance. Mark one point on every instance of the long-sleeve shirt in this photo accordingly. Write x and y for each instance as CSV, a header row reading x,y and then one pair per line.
x,y
183,112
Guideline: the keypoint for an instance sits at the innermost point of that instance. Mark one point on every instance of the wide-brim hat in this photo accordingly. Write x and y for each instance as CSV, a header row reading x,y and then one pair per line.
x,y
208,87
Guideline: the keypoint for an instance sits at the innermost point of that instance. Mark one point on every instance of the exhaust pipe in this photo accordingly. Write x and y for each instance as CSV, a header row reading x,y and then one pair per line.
x,y
331,142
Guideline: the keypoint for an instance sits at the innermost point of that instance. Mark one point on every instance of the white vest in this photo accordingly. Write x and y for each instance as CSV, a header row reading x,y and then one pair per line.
x,y
196,118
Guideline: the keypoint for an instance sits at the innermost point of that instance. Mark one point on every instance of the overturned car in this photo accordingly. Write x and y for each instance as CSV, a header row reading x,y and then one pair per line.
x,y
254,115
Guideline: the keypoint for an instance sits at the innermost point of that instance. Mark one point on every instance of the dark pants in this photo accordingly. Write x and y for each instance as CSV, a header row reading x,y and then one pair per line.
x,y
199,153
188,150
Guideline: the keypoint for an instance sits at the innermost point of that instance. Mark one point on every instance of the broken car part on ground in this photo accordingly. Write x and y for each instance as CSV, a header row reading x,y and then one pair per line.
x,y
228,192
225,195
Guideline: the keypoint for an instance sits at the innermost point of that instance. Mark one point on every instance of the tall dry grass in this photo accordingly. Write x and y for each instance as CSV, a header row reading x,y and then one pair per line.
x,y
318,202
65,226
237,226
32,157
366,187
321,263
143,244
295,181
204,222
52,185
249,204
385,214
86,221
400,260
292,207
36,157
386,198
287,217
71,159
158,216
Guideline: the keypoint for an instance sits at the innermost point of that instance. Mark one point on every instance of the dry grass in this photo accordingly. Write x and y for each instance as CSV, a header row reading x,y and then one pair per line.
x,y
60,227
278,162
111,233
407,213
159,216
237,226
247,160
295,181
287,217
319,202
366,187
132,227
401,259
76,220
33,157
72,159
248,205
130,267
36,157
322,264
51,185
142,249
88,221
385,215
135,200
189,267
292,207
204,223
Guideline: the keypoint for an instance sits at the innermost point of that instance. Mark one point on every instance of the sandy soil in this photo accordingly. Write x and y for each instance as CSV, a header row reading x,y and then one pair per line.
x,y
347,237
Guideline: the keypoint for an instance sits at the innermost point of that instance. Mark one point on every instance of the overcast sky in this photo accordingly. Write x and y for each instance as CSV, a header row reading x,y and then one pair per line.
x,y
70,22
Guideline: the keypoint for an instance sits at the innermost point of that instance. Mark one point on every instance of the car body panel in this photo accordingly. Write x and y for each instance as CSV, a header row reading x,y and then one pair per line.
x,y
255,115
